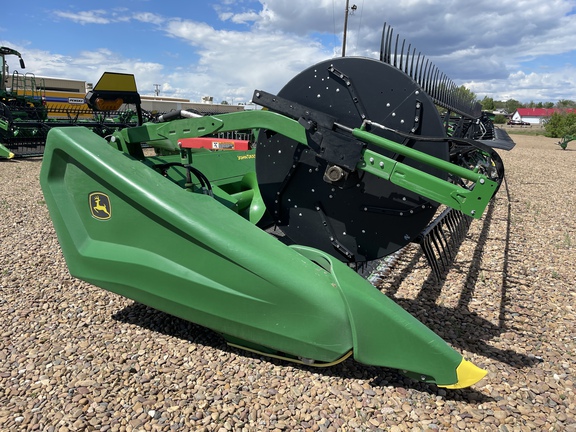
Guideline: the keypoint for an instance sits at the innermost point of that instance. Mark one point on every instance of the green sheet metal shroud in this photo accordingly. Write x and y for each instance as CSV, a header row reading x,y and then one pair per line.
x,y
128,229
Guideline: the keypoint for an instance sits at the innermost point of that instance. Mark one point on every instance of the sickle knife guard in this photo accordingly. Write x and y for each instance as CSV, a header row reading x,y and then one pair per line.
x,y
348,163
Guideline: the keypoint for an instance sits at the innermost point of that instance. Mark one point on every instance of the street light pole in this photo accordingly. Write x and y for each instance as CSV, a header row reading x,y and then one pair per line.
x,y
346,26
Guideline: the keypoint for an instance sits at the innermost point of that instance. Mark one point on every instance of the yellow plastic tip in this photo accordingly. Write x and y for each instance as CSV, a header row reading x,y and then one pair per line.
x,y
468,374
10,155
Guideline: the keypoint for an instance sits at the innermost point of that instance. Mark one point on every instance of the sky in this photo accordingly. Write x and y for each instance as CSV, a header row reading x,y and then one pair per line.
x,y
507,49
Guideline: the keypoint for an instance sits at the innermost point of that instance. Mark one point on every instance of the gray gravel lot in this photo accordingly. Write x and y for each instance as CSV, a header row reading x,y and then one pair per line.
x,y
74,357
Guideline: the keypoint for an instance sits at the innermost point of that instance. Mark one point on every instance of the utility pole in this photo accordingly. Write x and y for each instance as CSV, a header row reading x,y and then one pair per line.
x,y
354,7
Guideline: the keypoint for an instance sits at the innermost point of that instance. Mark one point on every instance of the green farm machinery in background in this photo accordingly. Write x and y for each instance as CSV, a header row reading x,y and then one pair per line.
x,y
349,162
564,143
24,119
26,108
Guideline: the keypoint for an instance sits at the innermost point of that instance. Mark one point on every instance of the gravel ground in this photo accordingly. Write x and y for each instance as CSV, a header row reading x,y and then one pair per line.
x,y
75,357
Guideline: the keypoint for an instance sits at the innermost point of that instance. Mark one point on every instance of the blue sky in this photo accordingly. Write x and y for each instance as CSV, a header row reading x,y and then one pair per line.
x,y
520,49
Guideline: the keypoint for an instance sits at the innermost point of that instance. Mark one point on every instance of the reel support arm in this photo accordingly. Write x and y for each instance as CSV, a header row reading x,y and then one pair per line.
x,y
470,201
157,134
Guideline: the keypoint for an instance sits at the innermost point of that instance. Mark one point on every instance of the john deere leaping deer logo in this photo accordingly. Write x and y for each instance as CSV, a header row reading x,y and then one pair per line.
x,y
100,206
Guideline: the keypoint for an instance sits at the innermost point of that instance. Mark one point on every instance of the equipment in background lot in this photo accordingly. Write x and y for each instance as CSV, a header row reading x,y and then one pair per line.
x,y
28,106
24,120
564,143
351,163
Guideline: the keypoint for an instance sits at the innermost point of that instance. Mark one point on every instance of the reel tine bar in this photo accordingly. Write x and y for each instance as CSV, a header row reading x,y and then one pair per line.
x,y
438,86
442,238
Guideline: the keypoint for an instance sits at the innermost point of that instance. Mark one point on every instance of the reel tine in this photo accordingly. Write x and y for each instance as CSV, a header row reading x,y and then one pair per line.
x,y
454,99
444,88
389,37
383,42
412,64
396,51
429,78
433,83
418,71
438,86
428,250
442,238
437,89
402,56
440,90
389,49
406,63
448,85
423,77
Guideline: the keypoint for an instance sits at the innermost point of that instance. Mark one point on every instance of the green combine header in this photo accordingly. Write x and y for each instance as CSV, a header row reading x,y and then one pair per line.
x,y
347,164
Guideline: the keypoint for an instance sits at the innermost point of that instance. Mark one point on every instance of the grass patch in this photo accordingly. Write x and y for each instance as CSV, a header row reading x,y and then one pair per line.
x,y
567,241
526,131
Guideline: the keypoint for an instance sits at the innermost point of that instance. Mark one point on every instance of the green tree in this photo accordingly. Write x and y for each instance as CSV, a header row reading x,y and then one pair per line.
x,y
500,119
565,103
512,105
499,105
487,104
558,125
466,94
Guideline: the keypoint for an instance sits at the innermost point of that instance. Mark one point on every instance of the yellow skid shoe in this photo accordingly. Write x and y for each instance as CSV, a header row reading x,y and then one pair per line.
x,y
468,374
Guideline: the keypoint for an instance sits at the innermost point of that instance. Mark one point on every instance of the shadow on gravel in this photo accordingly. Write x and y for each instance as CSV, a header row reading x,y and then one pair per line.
x,y
377,377
459,326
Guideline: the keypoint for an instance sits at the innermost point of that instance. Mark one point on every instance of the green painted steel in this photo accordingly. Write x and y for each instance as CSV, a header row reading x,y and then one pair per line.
x,y
166,135
471,201
5,153
564,142
127,228
232,177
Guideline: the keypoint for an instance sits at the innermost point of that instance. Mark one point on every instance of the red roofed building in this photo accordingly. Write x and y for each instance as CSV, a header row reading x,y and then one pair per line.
x,y
536,115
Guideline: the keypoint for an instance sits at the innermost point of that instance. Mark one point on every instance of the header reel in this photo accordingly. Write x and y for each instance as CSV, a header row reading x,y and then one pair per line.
x,y
319,193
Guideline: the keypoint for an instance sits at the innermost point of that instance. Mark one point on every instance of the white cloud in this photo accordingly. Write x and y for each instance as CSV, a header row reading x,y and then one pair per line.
x,y
548,86
245,17
85,17
232,64
509,48
148,17
90,65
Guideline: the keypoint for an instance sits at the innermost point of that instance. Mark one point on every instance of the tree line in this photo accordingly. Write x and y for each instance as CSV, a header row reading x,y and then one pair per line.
x,y
511,105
